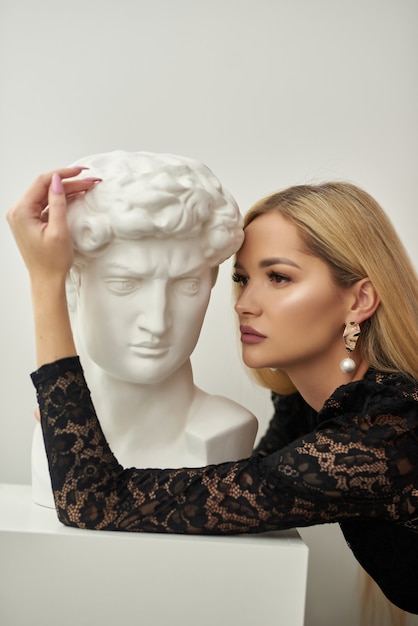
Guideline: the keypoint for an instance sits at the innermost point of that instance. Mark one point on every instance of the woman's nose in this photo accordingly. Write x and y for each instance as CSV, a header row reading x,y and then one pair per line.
x,y
248,303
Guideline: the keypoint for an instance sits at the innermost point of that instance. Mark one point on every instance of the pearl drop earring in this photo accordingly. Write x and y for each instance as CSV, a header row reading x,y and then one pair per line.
x,y
350,336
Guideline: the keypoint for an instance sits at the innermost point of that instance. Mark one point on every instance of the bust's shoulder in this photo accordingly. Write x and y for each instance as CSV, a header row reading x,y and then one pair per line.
x,y
222,428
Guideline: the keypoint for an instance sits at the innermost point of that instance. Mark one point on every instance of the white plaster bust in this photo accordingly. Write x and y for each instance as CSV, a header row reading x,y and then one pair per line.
x,y
148,242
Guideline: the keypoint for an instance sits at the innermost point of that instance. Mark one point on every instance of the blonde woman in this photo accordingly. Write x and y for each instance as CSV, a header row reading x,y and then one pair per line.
x,y
327,299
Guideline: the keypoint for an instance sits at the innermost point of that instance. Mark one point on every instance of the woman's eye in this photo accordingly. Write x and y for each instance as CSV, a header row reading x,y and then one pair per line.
x,y
278,279
122,285
188,286
240,279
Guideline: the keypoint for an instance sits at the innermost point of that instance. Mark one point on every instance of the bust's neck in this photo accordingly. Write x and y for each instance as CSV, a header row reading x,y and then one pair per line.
x,y
146,415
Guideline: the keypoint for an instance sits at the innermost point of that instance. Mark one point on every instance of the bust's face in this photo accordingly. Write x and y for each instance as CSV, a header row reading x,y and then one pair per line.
x,y
141,306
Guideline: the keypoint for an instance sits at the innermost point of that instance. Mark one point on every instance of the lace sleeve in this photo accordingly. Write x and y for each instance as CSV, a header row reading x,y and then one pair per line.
x,y
314,480
292,419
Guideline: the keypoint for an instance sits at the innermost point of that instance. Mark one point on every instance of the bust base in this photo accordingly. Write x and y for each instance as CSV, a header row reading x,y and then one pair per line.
x,y
52,574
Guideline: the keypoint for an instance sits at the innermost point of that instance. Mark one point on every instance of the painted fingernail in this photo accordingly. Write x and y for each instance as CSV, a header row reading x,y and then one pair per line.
x,y
93,179
56,184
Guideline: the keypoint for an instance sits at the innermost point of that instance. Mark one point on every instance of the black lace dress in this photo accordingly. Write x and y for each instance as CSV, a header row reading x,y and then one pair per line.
x,y
356,464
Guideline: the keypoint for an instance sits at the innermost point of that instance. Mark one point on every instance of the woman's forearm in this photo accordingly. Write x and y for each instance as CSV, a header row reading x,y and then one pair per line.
x,y
289,488
53,334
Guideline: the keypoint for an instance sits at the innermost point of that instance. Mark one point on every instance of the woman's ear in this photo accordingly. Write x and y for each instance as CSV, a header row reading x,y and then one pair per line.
x,y
365,300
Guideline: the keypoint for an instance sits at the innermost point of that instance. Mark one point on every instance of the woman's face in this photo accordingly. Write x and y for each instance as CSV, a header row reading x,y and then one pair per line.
x,y
141,306
291,311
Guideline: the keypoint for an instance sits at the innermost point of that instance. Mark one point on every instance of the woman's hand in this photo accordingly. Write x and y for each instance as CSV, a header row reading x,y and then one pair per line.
x,y
39,224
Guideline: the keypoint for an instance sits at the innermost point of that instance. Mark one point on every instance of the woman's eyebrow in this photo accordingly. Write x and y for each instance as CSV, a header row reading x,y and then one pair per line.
x,y
278,261
272,261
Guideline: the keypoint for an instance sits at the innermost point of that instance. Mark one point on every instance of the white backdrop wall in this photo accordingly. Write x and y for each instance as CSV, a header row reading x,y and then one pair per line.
x,y
267,93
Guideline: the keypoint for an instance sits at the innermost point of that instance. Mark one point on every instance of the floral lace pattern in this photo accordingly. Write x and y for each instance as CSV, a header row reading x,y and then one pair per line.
x,y
292,419
357,465
360,461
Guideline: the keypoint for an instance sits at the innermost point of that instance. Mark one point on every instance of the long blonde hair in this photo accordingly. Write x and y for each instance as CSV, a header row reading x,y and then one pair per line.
x,y
345,227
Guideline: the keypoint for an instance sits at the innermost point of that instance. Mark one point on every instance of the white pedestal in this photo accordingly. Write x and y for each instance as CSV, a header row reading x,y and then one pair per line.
x,y
51,575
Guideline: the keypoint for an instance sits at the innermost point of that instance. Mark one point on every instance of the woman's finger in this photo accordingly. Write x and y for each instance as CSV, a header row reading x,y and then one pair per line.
x,y
37,193
41,233
34,203
57,204
57,197
79,185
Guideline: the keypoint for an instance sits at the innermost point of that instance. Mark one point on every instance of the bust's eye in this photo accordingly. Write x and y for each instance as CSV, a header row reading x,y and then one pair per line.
x,y
187,286
122,285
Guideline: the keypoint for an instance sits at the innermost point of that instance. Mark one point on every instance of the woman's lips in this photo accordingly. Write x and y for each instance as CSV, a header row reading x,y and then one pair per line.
x,y
250,335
